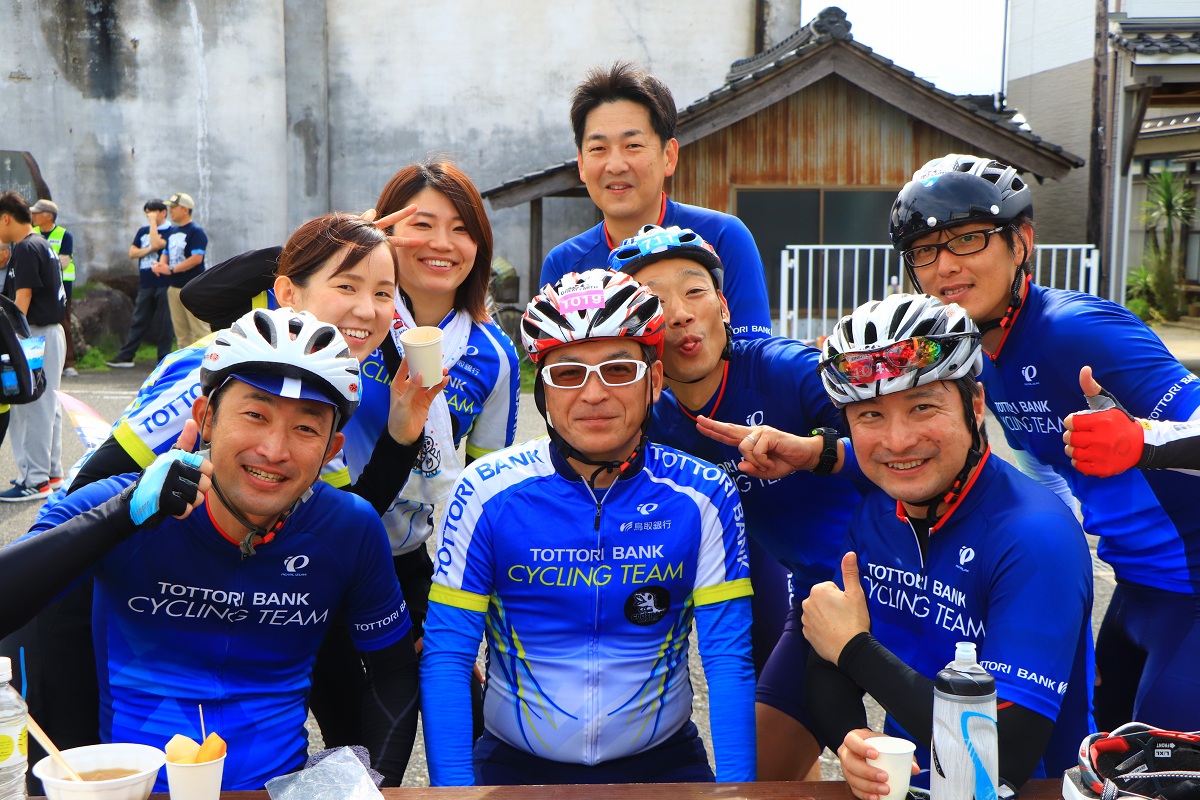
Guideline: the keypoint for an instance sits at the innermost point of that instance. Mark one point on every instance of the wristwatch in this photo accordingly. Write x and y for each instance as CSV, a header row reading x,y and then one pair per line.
x,y
171,269
829,452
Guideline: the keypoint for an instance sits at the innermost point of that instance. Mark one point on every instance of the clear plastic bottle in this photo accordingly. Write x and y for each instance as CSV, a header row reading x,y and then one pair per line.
x,y
965,761
14,749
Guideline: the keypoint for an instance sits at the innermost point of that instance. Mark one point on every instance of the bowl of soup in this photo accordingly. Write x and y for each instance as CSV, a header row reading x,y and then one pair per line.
x,y
116,771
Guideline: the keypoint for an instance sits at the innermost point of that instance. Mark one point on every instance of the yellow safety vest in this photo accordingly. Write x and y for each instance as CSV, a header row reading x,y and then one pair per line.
x,y
55,237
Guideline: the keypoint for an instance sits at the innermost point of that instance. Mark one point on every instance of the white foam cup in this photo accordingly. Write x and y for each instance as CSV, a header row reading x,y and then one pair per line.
x,y
196,781
895,758
423,352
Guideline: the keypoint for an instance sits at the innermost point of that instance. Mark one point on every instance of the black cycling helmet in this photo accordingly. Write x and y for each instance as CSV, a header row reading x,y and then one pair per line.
x,y
955,189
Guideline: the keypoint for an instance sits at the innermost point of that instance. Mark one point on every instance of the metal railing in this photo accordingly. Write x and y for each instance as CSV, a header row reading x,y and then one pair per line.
x,y
820,283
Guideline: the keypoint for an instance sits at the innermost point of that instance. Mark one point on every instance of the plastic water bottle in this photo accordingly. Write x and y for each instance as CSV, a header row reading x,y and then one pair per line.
x,y
14,749
965,762
8,377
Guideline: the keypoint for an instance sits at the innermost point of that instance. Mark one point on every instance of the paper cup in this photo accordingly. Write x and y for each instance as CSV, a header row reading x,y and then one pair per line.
x,y
895,758
423,352
196,781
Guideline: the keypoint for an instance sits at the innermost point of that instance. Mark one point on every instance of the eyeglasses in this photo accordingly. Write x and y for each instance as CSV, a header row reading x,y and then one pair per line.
x,y
894,360
618,372
962,245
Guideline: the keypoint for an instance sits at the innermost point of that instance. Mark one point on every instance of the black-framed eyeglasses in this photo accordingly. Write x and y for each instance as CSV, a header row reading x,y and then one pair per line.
x,y
617,372
962,245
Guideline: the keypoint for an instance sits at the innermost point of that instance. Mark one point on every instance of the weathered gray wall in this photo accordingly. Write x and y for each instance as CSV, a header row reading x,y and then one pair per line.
x,y
271,111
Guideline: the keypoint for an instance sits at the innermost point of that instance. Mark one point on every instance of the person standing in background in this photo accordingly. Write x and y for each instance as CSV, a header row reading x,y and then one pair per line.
x,y
151,310
183,260
34,282
45,219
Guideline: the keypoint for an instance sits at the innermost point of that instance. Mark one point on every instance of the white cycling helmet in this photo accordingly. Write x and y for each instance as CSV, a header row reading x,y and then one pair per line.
x,y
287,353
596,304
904,341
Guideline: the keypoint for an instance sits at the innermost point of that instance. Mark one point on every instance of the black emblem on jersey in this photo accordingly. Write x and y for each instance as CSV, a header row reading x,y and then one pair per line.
x,y
429,461
647,605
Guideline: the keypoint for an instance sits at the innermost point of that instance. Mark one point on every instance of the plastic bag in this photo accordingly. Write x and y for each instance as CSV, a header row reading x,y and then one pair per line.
x,y
339,776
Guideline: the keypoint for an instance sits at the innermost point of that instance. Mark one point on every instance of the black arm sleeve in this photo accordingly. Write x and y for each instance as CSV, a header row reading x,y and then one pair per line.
x,y
835,702
109,459
390,708
385,474
39,568
221,294
907,696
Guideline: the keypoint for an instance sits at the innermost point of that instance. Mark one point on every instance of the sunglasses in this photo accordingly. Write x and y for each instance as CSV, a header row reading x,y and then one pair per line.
x,y
894,360
618,372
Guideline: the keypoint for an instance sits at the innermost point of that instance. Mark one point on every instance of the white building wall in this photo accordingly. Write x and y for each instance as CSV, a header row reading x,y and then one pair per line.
x,y
271,111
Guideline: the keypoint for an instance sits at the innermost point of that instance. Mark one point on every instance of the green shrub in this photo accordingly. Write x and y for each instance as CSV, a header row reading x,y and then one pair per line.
x,y
1139,307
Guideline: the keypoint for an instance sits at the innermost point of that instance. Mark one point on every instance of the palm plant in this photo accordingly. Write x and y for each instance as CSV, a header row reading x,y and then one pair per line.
x,y
1170,205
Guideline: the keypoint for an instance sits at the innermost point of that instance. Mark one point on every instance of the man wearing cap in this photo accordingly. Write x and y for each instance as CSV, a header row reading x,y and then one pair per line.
x,y
183,260
226,605
34,282
151,309
45,219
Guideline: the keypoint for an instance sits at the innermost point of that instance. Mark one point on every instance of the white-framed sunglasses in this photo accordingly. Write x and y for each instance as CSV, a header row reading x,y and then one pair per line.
x,y
618,372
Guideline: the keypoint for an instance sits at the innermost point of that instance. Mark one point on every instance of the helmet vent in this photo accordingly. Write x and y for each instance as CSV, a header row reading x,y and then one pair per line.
x,y
318,342
265,329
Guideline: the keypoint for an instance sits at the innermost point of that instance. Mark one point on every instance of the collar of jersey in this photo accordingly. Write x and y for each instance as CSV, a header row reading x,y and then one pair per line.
x,y
902,515
711,413
565,471
224,535
662,214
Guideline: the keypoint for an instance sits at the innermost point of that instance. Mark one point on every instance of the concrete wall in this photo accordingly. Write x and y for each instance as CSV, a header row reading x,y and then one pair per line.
x,y
271,111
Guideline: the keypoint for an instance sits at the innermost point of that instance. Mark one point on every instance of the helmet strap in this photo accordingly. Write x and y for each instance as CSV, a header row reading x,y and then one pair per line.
x,y
954,492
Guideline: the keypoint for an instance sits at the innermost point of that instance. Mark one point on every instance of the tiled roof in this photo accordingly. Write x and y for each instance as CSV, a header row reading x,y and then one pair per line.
x,y
1156,44
830,25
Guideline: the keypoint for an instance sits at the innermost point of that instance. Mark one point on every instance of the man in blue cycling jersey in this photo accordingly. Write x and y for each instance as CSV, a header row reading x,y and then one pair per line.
x,y
768,381
954,545
624,124
964,227
219,573
587,555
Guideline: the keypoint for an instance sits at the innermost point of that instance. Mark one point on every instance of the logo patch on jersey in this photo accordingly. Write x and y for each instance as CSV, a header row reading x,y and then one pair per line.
x,y
965,555
647,605
429,460
1029,373
755,419
645,509
294,564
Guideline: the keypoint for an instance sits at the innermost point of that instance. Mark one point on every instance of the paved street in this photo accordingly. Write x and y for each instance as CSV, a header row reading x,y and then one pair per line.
x,y
109,392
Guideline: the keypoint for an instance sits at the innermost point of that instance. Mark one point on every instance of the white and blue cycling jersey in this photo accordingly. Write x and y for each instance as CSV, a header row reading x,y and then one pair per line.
x,y
801,519
482,398
997,563
180,619
745,283
587,610
1147,523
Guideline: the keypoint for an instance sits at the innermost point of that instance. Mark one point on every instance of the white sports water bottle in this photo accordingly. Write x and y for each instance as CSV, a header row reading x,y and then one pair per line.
x,y
965,762
14,750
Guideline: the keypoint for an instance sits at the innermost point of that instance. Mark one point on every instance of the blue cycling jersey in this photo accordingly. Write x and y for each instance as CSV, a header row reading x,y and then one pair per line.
x,y
745,285
1149,531
180,619
1008,553
588,610
773,382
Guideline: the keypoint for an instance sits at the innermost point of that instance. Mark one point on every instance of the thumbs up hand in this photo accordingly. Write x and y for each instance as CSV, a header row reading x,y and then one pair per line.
x,y
1105,439
834,616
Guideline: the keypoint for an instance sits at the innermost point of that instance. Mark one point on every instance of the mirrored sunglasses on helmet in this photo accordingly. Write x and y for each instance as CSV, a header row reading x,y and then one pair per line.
x,y
618,372
962,245
894,360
